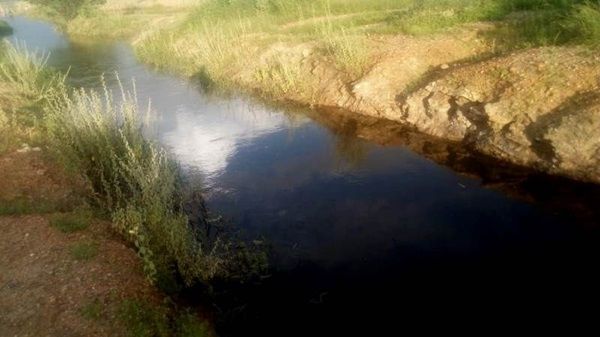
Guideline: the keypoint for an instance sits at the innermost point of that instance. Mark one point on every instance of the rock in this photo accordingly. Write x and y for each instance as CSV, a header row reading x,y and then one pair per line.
x,y
490,108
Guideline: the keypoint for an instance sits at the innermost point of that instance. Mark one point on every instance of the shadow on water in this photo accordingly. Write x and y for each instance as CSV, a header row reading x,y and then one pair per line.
x,y
361,215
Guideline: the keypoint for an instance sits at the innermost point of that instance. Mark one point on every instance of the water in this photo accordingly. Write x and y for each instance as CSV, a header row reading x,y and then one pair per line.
x,y
361,214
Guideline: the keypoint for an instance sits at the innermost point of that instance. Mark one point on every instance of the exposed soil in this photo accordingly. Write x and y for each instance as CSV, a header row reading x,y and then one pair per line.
x,y
44,289
537,108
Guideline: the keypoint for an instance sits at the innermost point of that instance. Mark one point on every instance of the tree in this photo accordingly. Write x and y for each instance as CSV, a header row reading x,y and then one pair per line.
x,y
68,9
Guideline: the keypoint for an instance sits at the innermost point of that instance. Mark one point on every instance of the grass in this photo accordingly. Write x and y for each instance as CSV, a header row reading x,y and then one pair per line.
x,y
217,41
584,23
21,206
221,39
71,222
84,251
30,84
131,179
144,319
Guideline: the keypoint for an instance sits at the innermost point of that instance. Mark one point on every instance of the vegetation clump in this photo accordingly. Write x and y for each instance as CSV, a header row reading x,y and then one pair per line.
x,y
131,178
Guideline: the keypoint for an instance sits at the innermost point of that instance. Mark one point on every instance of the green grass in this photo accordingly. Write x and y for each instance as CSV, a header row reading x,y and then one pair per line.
x,y
584,23
71,222
213,38
21,206
144,319
84,251
30,84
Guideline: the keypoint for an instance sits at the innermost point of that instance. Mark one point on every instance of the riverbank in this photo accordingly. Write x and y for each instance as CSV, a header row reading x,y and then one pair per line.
x,y
74,259
488,76
482,75
63,271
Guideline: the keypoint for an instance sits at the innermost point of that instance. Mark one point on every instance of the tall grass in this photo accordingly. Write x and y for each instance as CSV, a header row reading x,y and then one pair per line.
x,y
136,182
25,88
104,138
26,73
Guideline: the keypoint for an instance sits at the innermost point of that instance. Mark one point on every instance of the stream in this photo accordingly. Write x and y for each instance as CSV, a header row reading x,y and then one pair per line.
x,y
362,215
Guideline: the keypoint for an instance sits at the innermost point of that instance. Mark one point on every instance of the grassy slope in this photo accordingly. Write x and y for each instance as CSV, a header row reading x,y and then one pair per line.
x,y
218,38
215,39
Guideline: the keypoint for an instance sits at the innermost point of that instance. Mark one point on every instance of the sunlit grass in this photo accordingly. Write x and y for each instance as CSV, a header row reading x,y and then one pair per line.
x,y
221,39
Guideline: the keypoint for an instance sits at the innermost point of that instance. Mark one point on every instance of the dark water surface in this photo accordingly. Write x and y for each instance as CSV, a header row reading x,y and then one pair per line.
x,y
371,225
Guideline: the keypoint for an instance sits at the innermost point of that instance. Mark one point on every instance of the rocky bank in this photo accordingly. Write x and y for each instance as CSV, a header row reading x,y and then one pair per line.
x,y
538,108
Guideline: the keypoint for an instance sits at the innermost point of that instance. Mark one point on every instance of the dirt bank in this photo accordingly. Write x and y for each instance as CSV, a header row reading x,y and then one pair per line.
x,y
72,277
45,287
537,108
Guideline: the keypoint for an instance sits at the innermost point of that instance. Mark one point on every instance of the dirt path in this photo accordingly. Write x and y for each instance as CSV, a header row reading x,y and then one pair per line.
x,y
54,283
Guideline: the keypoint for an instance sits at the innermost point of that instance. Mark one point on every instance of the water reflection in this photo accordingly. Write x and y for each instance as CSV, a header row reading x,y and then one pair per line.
x,y
206,142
